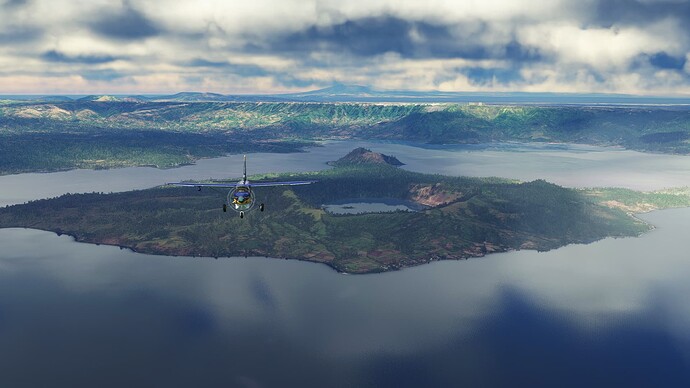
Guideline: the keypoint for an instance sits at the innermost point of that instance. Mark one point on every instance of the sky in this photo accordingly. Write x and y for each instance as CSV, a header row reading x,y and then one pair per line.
x,y
274,46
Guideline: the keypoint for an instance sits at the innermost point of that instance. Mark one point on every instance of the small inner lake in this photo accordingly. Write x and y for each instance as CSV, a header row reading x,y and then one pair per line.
x,y
370,205
566,165
610,313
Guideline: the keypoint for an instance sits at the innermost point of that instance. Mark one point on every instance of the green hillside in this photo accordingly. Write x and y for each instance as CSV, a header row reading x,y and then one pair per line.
x,y
463,217
48,136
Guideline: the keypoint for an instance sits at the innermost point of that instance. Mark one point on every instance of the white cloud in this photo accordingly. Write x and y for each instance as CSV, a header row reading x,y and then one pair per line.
x,y
600,48
231,17
446,11
564,49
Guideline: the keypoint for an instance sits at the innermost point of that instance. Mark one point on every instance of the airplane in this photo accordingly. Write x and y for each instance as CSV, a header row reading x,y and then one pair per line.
x,y
241,196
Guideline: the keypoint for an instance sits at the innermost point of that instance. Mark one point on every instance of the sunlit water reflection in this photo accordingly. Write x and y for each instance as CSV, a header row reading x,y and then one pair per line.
x,y
609,313
615,308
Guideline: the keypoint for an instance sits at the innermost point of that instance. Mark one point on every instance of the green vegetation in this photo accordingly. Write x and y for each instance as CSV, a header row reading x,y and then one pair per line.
x,y
199,116
464,217
32,152
638,201
47,136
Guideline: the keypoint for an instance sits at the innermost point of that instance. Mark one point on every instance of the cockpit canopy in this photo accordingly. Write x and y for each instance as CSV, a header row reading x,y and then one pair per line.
x,y
241,199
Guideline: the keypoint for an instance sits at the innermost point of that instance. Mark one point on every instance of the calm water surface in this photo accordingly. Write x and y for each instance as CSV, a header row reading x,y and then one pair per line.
x,y
610,313
568,165
370,205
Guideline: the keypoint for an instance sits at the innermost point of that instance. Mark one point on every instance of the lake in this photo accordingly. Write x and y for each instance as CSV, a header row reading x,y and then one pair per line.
x,y
609,313
370,205
567,165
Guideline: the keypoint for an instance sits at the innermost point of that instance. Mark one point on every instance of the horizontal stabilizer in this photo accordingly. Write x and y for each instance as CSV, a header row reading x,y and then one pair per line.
x,y
232,185
192,184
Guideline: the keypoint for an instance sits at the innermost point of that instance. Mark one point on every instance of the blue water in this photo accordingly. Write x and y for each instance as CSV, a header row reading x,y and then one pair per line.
x,y
611,313
370,205
567,165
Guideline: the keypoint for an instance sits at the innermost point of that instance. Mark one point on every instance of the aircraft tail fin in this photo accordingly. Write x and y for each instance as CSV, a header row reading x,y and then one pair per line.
x,y
244,175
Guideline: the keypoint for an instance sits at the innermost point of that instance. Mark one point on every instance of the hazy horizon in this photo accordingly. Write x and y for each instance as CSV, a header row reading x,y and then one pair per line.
x,y
400,95
638,47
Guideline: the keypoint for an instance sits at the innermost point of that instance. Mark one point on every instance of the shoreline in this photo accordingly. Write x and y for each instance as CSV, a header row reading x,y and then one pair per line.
x,y
385,269
318,142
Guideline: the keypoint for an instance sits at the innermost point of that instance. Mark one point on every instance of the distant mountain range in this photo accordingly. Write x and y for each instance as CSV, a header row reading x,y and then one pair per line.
x,y
358,93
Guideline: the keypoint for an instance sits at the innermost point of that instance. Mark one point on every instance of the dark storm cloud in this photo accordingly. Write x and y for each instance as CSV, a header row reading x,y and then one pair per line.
x,y
635,12
56,56
239,69
127,24
410,39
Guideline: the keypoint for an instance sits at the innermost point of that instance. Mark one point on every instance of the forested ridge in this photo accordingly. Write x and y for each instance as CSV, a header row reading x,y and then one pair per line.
x,y
104,134
463,217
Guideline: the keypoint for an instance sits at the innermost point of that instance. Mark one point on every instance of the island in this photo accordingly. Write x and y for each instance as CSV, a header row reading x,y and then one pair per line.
x,y
459,217
107,132
365,156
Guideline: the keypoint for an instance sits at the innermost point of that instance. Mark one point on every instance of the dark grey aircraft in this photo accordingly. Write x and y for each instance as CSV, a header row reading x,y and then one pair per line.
x,y
241,196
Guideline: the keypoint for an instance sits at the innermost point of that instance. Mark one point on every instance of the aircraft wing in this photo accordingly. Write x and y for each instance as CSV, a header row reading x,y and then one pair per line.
x,y
291,183
192,184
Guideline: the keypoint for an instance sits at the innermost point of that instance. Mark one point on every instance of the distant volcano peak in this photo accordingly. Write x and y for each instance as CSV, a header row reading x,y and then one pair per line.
x,y
363,155
343,89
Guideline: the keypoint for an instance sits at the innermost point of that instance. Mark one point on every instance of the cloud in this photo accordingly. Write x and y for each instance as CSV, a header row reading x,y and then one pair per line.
x,y
102,75
125,24
20,35
664,61
56,56
610,13
239,69
409,38
264,46
14,3
600,48
484,76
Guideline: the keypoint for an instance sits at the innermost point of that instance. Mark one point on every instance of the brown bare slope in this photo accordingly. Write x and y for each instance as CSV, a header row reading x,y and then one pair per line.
x,y
466,217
